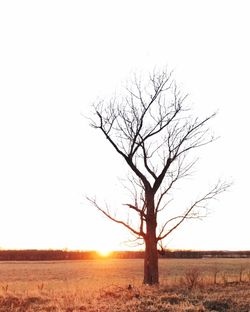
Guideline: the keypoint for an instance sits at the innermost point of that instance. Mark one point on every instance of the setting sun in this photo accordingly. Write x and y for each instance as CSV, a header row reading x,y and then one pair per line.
x,y
104,252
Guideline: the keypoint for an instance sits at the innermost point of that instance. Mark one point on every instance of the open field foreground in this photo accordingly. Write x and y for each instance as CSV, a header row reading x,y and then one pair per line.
x,y
103,285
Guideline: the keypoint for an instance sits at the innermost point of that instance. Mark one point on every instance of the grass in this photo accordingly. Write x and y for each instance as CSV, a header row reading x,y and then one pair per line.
x,y
103,285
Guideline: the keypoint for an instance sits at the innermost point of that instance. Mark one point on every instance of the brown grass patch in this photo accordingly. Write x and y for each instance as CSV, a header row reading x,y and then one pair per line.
x,y
115,285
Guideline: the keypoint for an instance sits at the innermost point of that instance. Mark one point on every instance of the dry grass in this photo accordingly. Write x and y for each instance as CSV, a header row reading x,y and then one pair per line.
x,y
102,285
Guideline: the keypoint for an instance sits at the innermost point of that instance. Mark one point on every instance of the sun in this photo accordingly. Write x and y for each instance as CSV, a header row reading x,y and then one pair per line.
x,y
104,252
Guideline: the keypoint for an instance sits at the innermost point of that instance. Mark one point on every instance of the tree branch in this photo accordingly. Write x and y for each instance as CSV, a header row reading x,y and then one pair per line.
x,y
108,215
216,190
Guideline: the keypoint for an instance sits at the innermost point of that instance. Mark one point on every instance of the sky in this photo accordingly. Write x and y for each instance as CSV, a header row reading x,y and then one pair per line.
x,y
57,58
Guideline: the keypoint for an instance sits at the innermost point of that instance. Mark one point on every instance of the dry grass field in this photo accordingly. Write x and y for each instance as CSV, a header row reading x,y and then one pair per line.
x,y
102,285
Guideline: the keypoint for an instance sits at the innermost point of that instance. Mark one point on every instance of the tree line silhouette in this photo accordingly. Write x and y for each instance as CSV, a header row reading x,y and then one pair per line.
x,y
59,255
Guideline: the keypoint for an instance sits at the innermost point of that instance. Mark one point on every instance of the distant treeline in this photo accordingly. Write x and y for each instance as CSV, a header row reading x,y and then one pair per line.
x,y
53,255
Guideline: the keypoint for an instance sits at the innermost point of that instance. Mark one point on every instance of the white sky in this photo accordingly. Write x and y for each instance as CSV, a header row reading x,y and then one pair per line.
x,y
58,57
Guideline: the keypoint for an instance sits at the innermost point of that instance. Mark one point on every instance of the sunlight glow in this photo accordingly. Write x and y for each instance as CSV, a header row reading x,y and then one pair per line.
x,y
104,252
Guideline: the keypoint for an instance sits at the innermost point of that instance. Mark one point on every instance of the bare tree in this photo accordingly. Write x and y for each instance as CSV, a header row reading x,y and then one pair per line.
x,y
151,127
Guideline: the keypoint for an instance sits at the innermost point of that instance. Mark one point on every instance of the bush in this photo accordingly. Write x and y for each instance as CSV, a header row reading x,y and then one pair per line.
x,y
192,278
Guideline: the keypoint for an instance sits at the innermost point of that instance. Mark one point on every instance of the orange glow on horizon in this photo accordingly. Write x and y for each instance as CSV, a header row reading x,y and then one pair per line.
x,y
104,253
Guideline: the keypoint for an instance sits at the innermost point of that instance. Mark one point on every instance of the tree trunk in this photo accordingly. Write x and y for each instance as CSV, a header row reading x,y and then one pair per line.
x,y
151,272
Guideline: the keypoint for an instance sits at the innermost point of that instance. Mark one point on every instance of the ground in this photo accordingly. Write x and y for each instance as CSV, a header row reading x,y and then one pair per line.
x,y
115,285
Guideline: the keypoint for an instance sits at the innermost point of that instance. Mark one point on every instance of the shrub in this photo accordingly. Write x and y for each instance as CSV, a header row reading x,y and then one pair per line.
x,y
192,278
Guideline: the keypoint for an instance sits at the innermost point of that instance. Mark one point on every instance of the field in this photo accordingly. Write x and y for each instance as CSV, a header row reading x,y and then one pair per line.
x,y
103,285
